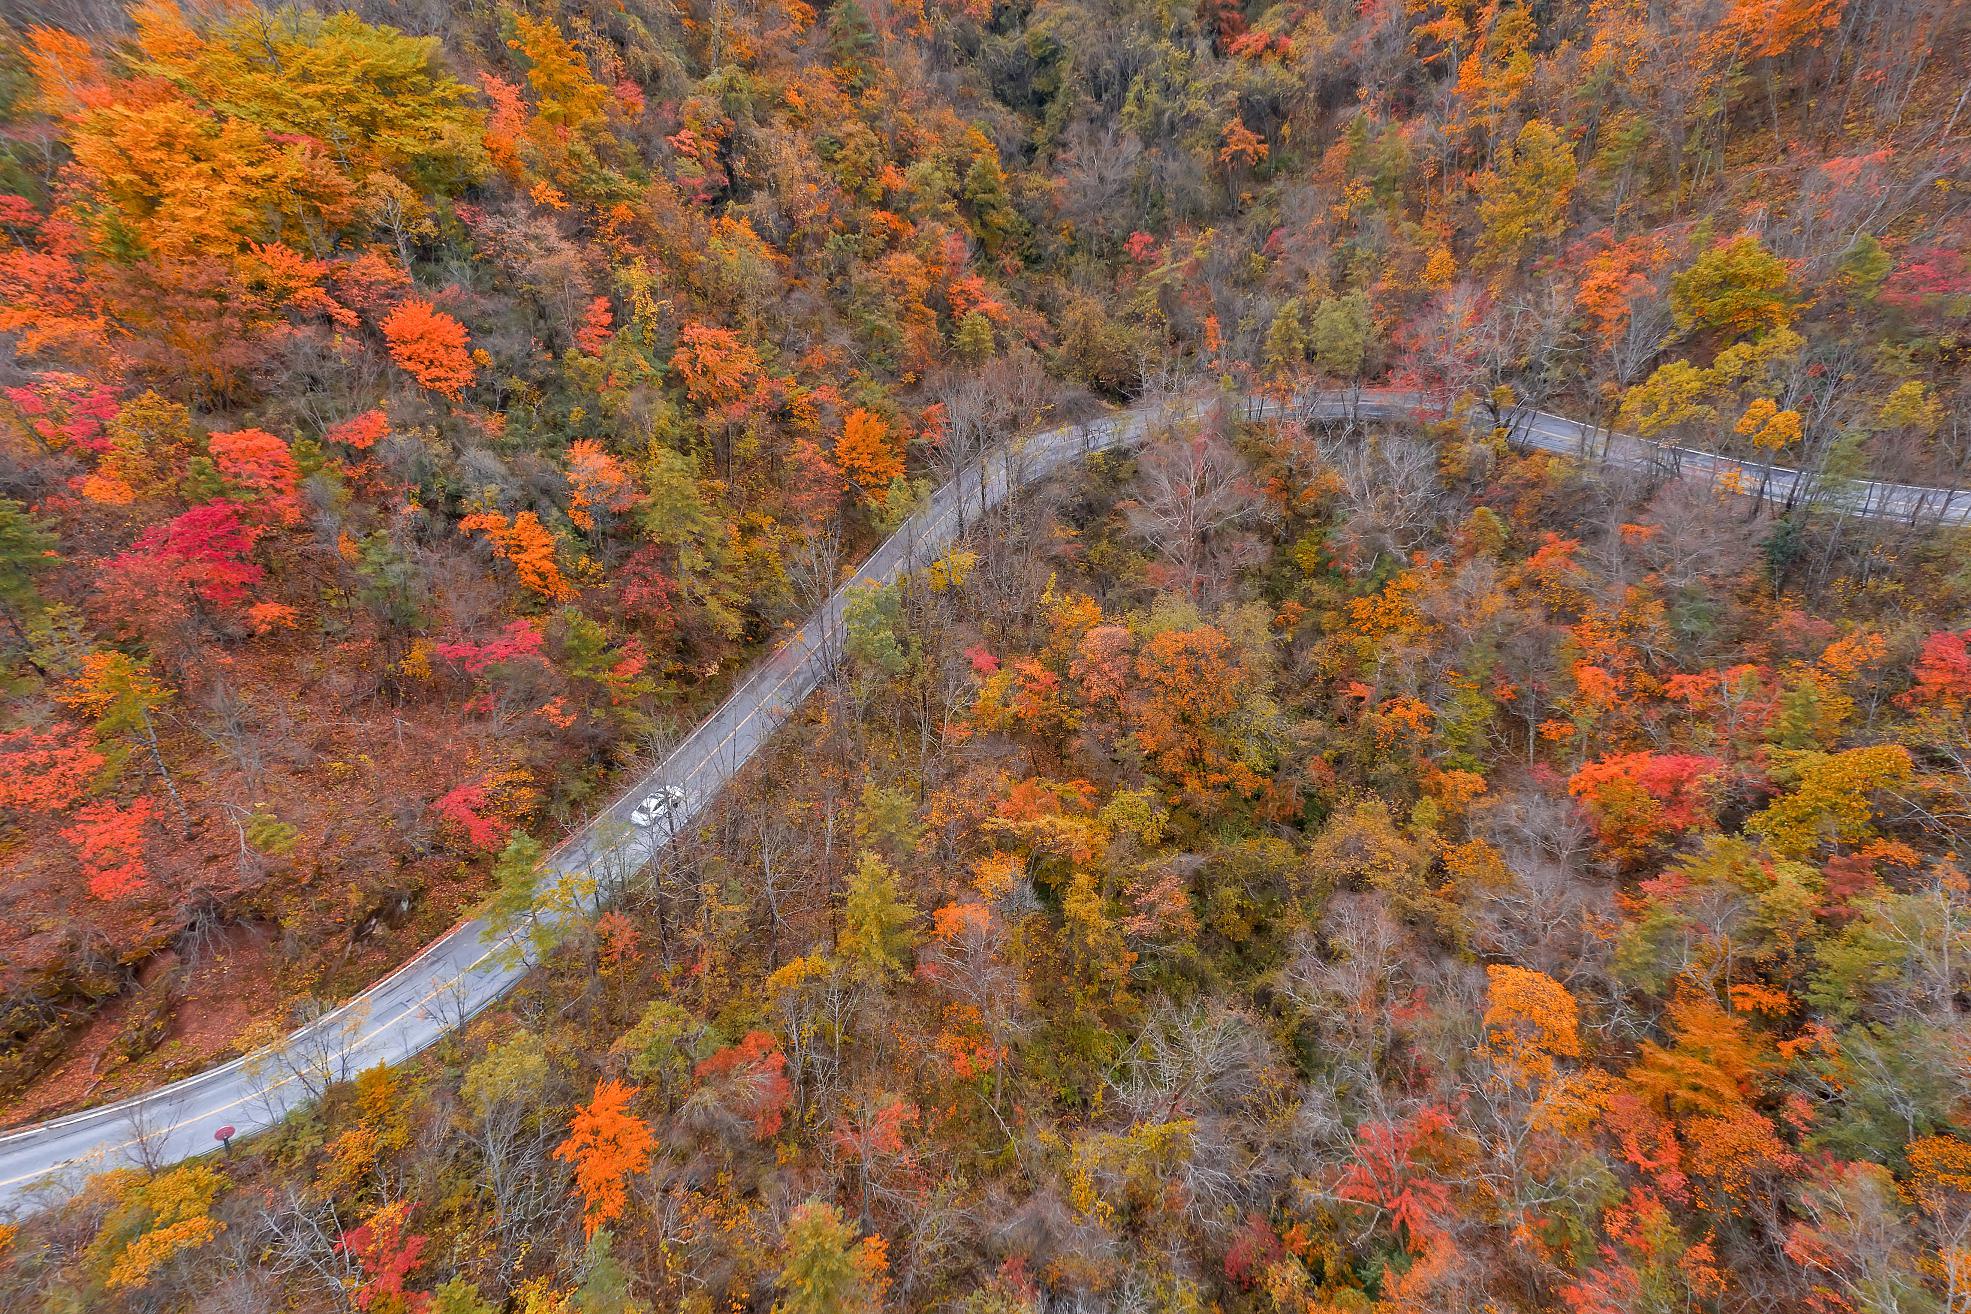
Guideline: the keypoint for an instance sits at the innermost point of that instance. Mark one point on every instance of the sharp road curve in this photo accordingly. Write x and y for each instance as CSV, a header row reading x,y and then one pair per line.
x,y
473,964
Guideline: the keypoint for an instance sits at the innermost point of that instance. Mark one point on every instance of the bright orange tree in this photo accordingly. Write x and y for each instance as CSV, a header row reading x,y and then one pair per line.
x,y
259,468
864,450
109,843
46,772
595,479
716,367
1530,1021
608,1145
525,544
1189,683
430,346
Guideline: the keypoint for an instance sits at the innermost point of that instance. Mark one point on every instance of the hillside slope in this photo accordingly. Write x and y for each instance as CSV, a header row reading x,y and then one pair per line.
x,y
1304,868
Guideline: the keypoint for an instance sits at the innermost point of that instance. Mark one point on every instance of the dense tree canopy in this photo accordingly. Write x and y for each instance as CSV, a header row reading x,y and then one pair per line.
x,y
1289,868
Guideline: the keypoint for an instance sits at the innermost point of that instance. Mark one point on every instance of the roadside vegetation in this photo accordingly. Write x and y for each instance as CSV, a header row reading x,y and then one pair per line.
x,y
1289,868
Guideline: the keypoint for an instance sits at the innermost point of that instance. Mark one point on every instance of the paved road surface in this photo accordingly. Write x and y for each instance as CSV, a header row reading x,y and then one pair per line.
x,y
1868,499
466,969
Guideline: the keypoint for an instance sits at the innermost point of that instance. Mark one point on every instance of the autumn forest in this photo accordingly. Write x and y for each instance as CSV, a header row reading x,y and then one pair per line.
x,y
1353,862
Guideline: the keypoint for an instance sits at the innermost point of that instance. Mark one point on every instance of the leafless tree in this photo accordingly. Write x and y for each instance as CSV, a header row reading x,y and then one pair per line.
x,y
150,1122
318,1055
1194,504
302,1235
1013,563
984,408
1205,1063
1344,980
1642,337
231,727
1100,164
1699,539
1864,1248
512,1141
1394,499
814,563
1529,344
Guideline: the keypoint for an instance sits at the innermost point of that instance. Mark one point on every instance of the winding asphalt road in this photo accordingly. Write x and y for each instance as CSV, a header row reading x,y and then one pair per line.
x,y
466,969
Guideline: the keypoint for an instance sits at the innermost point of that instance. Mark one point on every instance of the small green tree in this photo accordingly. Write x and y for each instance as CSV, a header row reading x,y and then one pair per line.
x,y
605,1285
123,696
985,192
268,834
1864,266
874,643
973,340
1339,335
1286,340
877,920
663,1044
823,1268
674,512
887,820
27,550
1737,287
512,1072
516,894
458,1296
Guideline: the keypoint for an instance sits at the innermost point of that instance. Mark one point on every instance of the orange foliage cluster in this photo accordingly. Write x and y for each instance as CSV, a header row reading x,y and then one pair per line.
x,y
607,1144
525,544
865,453
430,346
718,369
109,844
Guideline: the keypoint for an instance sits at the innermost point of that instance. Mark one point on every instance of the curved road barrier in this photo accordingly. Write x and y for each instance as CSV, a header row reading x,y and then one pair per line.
x,y
459,974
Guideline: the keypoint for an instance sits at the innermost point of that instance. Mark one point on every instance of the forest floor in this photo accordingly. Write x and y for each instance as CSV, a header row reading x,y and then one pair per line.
x,y
228,988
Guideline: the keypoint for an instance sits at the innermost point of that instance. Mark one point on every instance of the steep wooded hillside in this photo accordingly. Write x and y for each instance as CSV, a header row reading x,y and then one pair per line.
x,y
1305,869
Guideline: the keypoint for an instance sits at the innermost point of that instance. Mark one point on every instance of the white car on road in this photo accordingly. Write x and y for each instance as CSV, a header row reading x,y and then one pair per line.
x,y
656,807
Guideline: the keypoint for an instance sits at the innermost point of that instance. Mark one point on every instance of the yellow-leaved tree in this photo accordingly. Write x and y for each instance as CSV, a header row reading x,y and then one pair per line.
x,y
154,1220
